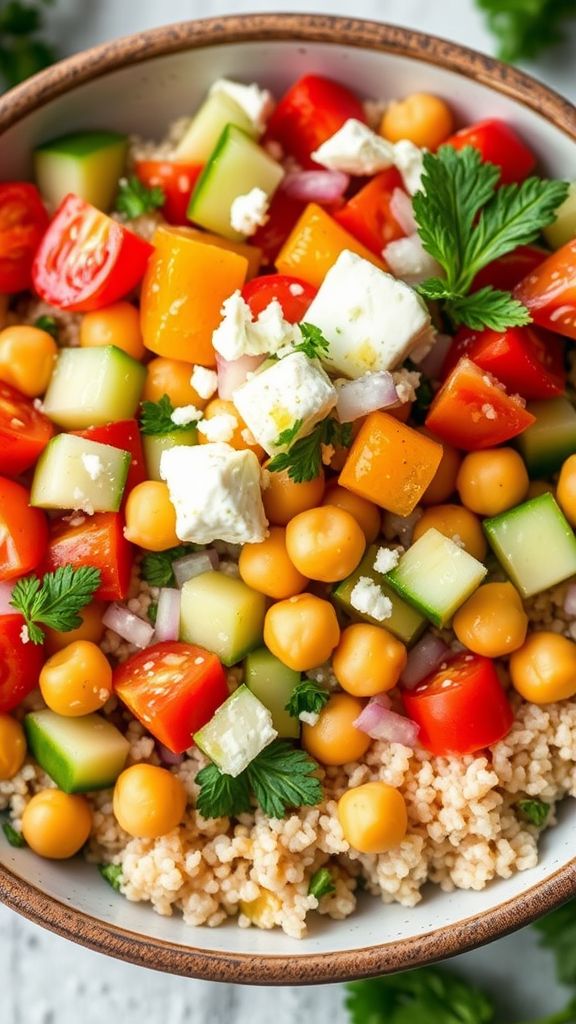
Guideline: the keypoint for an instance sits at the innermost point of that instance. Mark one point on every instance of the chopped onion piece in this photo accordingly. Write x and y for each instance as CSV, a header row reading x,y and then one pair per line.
x,y
194,565
570,600
128,625
379,722
232,373
5,596
409,261
432,363
424,657
315,186
403,212
357,398
167,615
167,756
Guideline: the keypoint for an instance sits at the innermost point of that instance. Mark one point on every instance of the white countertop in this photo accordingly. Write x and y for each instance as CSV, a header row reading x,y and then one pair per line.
x,y
45,980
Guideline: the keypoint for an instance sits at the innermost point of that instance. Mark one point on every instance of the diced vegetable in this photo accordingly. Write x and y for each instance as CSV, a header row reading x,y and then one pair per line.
x,y
155,444
217,111
293,295
528,361
176,180
96,540
24,431
238,732
79,754
92,386
314,245
508,270
23,221
249,251
549,291
88,164
21,662
498,144
23,531
124,434
273,683
563,229
404,621
369,216
534,544
223,615
550,439
74,473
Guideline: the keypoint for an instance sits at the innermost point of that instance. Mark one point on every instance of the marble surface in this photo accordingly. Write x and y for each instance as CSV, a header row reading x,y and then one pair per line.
x,y
45,980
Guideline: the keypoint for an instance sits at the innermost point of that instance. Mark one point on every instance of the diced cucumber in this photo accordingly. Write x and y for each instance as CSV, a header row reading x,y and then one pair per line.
x,y
155,444
563,229
273,683
237,165
79,754
405,622
217,111
534,544
75,473
239,730
223,615
93,386
436,576
551,439
86,163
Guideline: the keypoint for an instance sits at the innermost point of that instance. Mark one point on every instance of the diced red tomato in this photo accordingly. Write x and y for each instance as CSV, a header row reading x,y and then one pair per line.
x,y
173,689
507,271
367,215
498,144
293,295
86,260
176,180
24,431
23,531
282,216
96,540
124,434
527,361
549,291
460,708
23,221
20,663
472,410
312,110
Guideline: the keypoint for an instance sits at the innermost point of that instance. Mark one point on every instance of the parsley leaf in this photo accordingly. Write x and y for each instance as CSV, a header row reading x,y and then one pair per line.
x,y
307,696
487,307
429,995
534,811
111,873
56,601
156,566
135,198
321,884
286,437
16,839
48,324
156,418
313,344
558,934
222,796
303,461
524,28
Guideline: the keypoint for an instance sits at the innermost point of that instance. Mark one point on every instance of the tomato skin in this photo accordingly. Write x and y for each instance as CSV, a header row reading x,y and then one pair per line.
x,y
23,531
176,180
498,144
312,110
98,541
23,221
507,271
86,260
172,694
20,663
260,291
24,431
471,714
529,362
549,291
282,216
367,215
123,434
458,414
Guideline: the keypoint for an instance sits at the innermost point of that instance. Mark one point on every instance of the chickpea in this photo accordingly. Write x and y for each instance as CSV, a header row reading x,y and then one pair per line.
x,y
543,670
12,747
284,499
91,629
368,660
366,513
56,825
241,438
27,357
373,817
335,739
566,489
424,119
151,517
171,377
118,324
149,802
325,543
454,522
266,567
443,484
76,680
492,481
301,631
492,621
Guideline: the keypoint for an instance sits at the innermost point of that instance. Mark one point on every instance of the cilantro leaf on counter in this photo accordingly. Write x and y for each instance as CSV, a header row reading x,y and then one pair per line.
x,y
307,696
23,51
313,344
222,796
524,28
156,418
111,873
533,810
56,600
429,995
134,198
14,838
156,566
321,884
48,324
303,461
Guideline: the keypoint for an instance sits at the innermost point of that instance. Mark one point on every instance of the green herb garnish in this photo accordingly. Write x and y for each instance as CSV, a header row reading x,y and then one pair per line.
x,y
156,567
56,600
285,437
313,344
303,461
156,418
307,696
135,198
321,884
534,811
111,873
15,838
524,28
153,612
48,324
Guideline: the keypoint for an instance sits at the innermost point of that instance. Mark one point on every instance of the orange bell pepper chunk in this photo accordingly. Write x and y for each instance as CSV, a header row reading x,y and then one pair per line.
x,y
390,464
314,245
182,294
251,252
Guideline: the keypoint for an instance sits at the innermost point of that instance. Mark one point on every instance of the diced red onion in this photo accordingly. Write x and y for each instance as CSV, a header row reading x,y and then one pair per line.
x,y
5,596
168,615
232,373
402,211
400,528
359,397
379,722
409,261
167,756
570,600
128,625
432,364
315,186
424,657
194,565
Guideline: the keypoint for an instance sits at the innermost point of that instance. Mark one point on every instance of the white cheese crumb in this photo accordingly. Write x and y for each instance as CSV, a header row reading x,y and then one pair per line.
x,y
386,560
219,428
239,335
406,382
309,717
409,159
93,465
185,414
204,381
24,634
355,149
257,103
367,598
248,212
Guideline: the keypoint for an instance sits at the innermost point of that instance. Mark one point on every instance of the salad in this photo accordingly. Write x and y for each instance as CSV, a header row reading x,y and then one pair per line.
x,y
287,498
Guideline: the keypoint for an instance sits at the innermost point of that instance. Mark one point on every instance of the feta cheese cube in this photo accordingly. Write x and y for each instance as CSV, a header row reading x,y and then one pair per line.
x,y
215,491
249,211
355,149
367,598
371,320
294,388
204,382
256,103
239,335
409,159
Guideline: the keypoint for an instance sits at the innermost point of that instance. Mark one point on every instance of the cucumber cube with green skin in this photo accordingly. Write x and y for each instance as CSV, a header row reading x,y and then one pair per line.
x,y
436,576
155,444
563,229
239,730
200,139
223,615
79,754
237,165
89,164
273,683
93,386
405,622
534,544
551,439
75,473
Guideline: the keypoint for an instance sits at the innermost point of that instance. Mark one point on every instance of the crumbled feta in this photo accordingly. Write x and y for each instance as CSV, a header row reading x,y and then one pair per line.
x,y
290,389
204,381
249,212
239,335
93,465
355,149
184,414
406,382
408,260
256,103
25,634
367,598
409,159
386,560
218,428
216,493
371,320
309,717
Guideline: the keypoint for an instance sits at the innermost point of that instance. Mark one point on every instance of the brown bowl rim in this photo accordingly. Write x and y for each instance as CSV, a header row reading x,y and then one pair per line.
x,y
301,968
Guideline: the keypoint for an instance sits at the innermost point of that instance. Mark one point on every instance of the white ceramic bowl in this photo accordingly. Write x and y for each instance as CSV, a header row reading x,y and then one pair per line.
x,y
140,85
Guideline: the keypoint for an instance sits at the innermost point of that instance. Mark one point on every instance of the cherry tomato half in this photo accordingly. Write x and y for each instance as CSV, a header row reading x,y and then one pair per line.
x,y
312,110
23,531
20,663
293,295
96,540
23,221
177,182
24,431
549,291
498,144
530,362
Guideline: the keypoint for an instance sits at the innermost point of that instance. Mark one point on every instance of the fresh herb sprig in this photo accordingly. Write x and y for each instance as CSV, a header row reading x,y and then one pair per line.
x,y
156,566
313,344
524,28
308,697
156,418
321,884
111,873
23,48
134,198
534,811
14,838
303,460
56,600
466,222
48,324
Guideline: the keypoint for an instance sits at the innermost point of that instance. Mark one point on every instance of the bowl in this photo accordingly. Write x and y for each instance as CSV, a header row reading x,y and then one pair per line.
x,y
139,84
